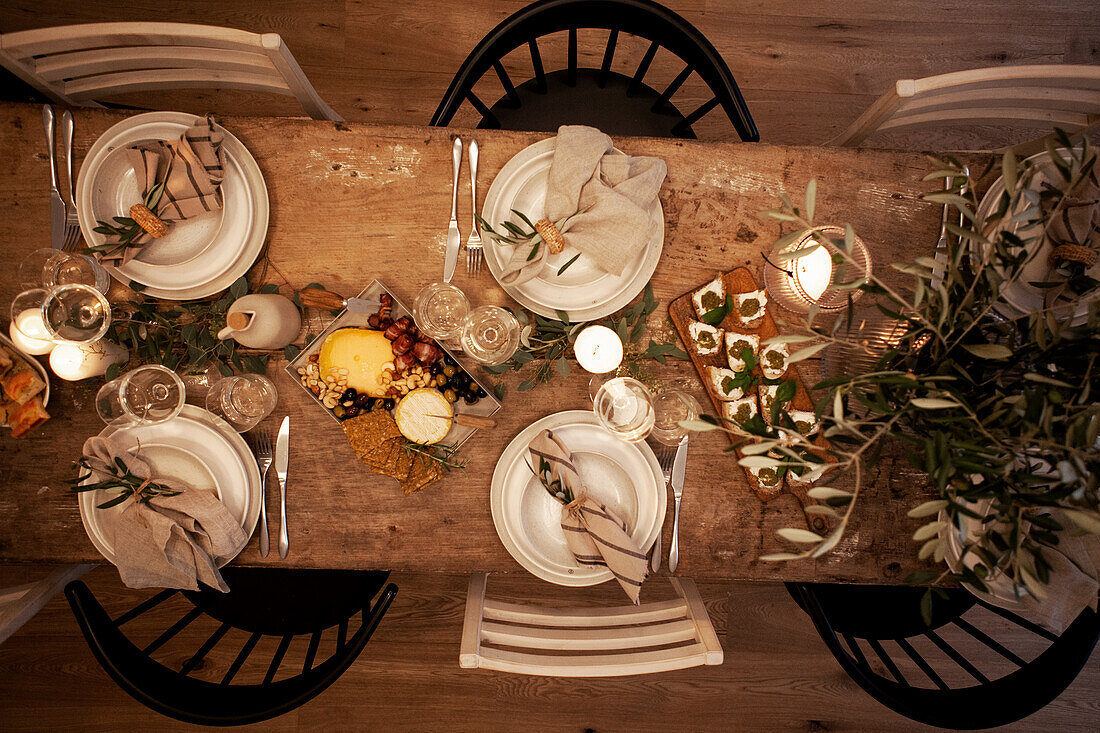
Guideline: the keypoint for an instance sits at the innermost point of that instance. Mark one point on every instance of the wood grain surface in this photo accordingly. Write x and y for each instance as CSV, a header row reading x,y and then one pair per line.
x,y
352,202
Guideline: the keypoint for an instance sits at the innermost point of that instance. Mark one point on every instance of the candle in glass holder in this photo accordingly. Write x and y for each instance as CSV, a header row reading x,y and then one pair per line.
x,y
28,332
598,349
73,362
811,273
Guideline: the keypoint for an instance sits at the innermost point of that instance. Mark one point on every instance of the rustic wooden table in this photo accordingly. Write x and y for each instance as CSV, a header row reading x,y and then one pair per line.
x,y
350,203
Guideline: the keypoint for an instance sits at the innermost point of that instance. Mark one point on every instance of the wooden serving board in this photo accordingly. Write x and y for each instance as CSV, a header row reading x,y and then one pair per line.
x,y
682,313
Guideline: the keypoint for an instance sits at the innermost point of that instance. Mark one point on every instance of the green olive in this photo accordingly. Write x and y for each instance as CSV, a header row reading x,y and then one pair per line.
x,y
338,411
449,371
451,395
440,380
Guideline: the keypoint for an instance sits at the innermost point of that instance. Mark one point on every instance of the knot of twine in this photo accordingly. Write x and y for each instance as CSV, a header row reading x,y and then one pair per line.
x,y
1074,253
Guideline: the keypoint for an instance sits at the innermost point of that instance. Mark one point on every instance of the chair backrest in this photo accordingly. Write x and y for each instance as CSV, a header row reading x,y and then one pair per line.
x,y
660,26
587,642
77,64
963,671
1064,96
174,693
20,603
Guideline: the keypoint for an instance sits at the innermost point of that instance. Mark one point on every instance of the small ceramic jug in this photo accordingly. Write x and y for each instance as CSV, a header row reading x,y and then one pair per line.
x,y
262,321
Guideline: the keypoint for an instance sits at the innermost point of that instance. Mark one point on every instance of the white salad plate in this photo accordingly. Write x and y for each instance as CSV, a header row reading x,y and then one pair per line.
x,y
1002,590
625,476
196,447
200,256
1020,297
583,291
35,364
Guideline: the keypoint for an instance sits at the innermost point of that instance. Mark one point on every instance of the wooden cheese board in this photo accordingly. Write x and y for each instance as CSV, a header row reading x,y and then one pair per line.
x,y
682,313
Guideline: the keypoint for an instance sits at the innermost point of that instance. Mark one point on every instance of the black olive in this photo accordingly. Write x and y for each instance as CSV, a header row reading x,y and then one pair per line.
x,y
480,392
349,394
389,403
351,411
448,360
470,398
461,379
434,369
362,400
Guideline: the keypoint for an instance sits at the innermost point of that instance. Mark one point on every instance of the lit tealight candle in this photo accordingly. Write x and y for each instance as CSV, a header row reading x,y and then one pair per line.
x,y
598,349
28,332
74,362
812,273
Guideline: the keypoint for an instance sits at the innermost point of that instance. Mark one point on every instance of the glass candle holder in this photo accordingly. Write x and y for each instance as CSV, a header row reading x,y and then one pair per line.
x,y
808,271
242,401
146,395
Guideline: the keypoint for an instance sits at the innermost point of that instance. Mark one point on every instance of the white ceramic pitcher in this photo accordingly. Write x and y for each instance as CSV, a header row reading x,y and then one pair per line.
x,y
262,321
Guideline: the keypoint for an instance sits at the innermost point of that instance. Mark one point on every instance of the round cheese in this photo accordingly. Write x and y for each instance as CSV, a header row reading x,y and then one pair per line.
x,y
424,416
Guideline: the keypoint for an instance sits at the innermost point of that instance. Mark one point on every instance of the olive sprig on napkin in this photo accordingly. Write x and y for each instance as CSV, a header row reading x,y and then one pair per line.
x,y
123,482
517,235
125,228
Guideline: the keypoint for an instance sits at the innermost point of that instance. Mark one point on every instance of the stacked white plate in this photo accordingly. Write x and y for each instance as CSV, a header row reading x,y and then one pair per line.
x,y
625,476
195,447
1020,297
200,256
584,291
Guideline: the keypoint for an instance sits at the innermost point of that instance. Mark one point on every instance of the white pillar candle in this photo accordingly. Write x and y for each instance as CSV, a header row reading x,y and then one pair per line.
x,y
74,362
598,349
28,332
812,273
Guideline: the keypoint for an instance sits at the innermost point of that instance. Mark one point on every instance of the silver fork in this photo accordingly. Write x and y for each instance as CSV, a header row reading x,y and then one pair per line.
x,y
72,221
473,244
665,456
262,447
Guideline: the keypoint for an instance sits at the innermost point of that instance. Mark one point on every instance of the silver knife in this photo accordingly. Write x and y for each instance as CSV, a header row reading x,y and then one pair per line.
x,y
453,238
57,206
679,467
282,460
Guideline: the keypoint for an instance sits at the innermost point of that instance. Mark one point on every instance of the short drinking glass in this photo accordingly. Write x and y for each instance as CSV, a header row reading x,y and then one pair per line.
x,y
624,406
242,401
440,309
490,335
146,395
669,408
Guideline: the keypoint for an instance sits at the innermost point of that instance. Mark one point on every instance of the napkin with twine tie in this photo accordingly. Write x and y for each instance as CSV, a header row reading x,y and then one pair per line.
x,y
194,166
596,537
604,193
164,541
1074,237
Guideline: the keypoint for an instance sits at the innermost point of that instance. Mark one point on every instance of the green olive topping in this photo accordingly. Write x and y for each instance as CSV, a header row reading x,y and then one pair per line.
x,y
710,300
738,348
727,384
776,360
744,412
802,426
767,477
705,339
750,307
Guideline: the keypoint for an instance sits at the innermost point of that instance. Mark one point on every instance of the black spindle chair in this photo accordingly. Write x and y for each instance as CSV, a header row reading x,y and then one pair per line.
x,y
282,603
874,631
613,102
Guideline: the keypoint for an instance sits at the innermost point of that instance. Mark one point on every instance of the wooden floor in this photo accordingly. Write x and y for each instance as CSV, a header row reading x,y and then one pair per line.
x,y
777,674
807,68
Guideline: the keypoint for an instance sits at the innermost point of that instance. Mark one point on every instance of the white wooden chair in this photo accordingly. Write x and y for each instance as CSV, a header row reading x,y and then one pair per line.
x,y
76,64
20,603
587,642
1064,96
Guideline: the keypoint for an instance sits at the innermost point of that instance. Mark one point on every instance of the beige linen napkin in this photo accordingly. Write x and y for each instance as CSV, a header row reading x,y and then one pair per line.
x,y
195,168
1075,570
595,536
613,189
168,541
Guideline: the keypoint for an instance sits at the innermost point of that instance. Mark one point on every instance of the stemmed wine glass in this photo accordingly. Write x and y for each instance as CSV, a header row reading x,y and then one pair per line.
x,y
147,395
624,406
242,401
51,268
490,335
670,407
440,309
72,313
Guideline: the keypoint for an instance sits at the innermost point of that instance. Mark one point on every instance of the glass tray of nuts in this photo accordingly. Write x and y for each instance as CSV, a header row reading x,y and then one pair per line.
x,y
372,359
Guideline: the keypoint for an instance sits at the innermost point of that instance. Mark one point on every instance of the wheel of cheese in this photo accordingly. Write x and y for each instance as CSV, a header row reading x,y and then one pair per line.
x,y
424,416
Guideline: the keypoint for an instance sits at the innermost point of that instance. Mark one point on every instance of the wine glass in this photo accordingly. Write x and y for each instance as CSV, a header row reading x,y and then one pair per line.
x,y
440,309
625,407
490,335
51,267
669,408
147,395
242,401
78,314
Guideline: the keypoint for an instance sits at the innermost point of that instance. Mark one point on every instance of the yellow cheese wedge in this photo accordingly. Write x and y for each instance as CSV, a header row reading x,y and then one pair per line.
x,y
424,416
362,352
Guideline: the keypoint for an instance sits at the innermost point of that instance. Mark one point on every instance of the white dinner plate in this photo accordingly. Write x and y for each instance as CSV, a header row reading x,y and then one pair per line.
x,y
196,447
1021,298
1002,590
200,256
625,476
584,291
35,364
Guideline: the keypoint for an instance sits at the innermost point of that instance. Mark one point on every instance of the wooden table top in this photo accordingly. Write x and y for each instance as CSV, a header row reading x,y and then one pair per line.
x,y
352,202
